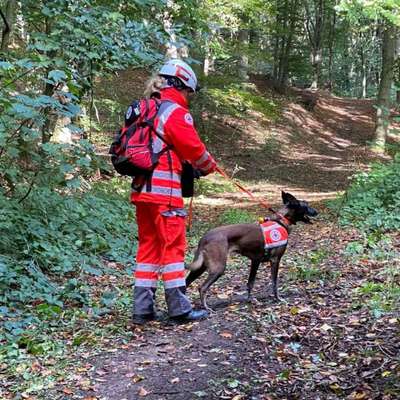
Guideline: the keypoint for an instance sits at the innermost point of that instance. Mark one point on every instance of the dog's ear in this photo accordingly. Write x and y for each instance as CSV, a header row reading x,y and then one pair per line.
x,y
287,198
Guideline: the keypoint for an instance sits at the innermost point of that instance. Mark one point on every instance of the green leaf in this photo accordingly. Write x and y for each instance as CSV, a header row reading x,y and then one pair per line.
x,y
6,65
22,111
57,76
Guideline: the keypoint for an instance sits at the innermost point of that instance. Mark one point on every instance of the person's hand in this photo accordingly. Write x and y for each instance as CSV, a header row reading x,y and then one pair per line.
x,y
197,174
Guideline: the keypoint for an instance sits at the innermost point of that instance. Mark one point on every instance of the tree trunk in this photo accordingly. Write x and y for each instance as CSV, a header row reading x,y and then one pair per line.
x,y
49,89
314,26
363,74
284,65
277,38
8,19
332,33
383,102
209,58
243,38
172,49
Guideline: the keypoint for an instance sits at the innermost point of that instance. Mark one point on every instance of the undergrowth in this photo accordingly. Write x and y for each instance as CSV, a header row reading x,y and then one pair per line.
x,y
53,246
239,100
371,204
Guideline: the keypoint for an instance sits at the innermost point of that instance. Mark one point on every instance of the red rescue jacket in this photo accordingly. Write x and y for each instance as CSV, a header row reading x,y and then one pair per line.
x,y
175,124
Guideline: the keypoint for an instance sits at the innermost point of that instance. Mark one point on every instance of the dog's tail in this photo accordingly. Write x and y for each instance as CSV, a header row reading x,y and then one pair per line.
x,y
198,260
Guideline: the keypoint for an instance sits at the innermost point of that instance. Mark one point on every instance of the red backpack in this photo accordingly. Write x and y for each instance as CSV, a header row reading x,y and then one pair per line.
x,y
132,151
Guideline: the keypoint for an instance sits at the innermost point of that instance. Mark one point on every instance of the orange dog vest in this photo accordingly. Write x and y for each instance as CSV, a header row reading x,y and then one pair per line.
x,y
275,235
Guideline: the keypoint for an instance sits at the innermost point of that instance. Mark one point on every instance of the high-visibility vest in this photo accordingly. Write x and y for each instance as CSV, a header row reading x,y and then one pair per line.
x,y
275,235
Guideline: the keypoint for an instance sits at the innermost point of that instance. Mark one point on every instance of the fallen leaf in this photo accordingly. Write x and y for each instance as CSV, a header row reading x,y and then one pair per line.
x,y
137,378
143,392
200,393
325,327
294,310
226,335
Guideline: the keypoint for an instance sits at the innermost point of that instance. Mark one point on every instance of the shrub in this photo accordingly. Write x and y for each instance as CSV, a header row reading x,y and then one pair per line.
x,y
373,200
50,241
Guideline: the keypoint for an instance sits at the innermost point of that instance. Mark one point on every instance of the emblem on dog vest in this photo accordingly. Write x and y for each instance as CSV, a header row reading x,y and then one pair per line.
x,y
275,235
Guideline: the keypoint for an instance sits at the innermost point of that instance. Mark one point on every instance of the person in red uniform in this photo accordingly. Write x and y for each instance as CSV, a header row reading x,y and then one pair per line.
x,y
159,204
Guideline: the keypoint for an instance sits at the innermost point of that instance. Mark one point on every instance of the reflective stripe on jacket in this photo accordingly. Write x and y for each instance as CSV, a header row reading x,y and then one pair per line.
x,y
175,124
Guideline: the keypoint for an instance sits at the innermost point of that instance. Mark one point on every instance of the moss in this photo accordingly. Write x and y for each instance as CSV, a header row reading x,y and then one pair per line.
x,y
240,100
208,187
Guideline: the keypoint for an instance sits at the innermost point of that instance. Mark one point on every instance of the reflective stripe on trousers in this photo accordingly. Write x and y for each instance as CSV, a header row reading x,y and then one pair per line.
x,y
173,275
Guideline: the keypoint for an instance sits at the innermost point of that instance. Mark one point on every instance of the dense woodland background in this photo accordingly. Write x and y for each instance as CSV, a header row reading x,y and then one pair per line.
x,y
68,70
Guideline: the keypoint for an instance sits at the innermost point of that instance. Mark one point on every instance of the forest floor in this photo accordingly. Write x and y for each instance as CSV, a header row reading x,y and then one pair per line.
x,y
322,341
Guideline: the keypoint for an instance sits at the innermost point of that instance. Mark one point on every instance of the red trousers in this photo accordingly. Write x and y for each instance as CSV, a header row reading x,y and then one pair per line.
x,y
161,253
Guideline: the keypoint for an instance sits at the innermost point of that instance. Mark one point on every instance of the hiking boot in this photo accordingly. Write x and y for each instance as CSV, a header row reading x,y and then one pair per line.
x,y
191,316
143,319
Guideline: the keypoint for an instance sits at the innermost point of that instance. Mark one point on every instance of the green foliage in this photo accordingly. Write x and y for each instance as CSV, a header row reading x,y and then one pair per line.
x,y
374,10
49,78
240,100
380,297
209,187
310,267
52,242
236,216
372,202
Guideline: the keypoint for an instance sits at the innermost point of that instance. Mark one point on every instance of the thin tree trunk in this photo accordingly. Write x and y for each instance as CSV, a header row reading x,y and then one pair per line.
x,y
314,27
209,58
384,103
363,74
172,50
332,31
8,18
275,72
243,38
284,70
49,89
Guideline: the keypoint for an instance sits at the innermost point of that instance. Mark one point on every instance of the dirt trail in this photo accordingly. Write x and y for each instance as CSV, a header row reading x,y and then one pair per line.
x,y
311,153
317,343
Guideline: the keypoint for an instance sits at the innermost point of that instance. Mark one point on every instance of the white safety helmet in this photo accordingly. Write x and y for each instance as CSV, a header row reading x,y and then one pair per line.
x,y
180,70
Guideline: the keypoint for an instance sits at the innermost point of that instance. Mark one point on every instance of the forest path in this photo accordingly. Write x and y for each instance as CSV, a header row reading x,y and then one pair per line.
x,y
318,343
318,142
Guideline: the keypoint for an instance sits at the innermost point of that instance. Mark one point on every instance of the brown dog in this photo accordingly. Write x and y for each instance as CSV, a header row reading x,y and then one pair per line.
x,y
247,240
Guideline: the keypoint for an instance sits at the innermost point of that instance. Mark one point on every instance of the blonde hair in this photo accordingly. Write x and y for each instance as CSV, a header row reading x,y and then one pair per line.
x,y
154,85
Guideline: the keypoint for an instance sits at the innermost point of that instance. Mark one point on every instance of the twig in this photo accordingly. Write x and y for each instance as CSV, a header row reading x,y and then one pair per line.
x,y
170,392
20,76
369,374
391,356
30,188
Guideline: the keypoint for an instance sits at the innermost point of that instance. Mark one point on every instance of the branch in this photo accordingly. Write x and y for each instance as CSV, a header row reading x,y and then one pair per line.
x,y
30,188
7,28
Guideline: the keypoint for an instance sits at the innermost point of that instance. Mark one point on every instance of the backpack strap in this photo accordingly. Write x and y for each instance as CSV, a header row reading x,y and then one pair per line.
x,y
150,123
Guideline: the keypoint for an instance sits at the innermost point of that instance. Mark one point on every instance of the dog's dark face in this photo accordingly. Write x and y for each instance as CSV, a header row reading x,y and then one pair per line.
x,y
298,210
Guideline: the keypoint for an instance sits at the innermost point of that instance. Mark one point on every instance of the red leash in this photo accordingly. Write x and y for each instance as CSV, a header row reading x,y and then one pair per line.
x,y
190,216
243,189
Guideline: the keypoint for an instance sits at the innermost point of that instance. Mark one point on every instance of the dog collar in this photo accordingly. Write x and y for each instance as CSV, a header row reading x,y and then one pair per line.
x,y
283,219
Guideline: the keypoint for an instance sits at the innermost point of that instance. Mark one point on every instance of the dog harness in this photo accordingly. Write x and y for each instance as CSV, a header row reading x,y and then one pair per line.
x,y
275,235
